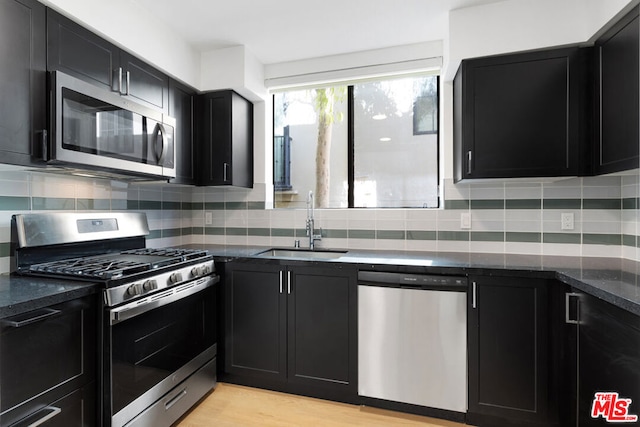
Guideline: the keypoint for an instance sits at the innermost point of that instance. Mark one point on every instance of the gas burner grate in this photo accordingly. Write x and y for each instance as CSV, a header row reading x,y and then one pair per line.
x,y
102,267
183,254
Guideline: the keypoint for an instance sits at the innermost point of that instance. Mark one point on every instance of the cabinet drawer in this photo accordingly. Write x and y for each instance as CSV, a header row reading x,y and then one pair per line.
x,y
45,354
75,409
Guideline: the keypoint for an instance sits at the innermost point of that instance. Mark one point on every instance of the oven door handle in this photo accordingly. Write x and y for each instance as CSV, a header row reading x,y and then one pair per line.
x,y
138,307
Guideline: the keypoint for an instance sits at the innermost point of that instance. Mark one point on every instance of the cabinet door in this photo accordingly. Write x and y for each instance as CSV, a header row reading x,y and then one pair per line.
x,y
22,79
225,139
618,55
521,115
322,327
608,358
181,100
45,355
255,324
143,83
77,51
508,354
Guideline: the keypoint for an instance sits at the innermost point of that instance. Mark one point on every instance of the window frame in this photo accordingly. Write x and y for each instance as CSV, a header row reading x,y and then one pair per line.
x,y
351,142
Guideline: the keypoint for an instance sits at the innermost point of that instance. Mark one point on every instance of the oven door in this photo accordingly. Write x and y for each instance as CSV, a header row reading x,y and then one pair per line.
x,y
153,344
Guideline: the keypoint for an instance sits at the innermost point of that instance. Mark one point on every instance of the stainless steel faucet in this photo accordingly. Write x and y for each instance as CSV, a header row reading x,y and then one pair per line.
x,y
311,223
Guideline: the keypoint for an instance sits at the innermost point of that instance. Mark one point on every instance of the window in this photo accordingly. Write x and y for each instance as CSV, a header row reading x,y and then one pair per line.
x,y
370,144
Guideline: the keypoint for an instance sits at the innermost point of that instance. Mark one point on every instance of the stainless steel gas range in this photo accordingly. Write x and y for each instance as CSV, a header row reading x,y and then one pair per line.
x,y
158,323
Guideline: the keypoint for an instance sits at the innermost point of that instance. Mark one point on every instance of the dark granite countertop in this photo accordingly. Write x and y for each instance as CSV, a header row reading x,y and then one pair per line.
x,y
612,279
20,294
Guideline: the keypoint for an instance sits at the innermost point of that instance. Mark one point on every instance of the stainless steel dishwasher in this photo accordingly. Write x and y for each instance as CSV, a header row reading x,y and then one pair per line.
x,y
412,339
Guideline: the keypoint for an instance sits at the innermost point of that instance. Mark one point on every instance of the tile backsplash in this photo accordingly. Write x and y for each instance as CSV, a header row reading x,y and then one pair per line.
x,y
505,216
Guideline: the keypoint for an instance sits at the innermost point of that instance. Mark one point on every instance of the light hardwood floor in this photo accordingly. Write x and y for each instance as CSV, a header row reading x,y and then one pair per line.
x,y
232,405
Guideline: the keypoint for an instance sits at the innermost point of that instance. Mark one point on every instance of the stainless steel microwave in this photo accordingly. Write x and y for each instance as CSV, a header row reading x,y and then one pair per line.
x,y
92,128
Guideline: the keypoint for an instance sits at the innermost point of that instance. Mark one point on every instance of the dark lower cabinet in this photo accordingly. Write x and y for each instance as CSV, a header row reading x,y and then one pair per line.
x,y
509,352
22,80
607,361
292,328
48,365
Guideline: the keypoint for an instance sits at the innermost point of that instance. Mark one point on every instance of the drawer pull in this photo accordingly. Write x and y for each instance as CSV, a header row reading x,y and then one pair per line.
x,y
175,399
36,316
49,411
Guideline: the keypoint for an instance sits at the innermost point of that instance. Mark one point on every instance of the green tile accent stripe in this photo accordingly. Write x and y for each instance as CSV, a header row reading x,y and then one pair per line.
x,y
611,204
561,238
235,206
11,203
421,235
562,204
282,232
255,205
150,205
487,204
51,203
630,241
523,204
523,237
5,249
214,206
172,232
362,234
154,234
630,203
390,234
265,232
602,239
335,233
93,204
236,231
214,231
172,206
487,236
456,204
462,236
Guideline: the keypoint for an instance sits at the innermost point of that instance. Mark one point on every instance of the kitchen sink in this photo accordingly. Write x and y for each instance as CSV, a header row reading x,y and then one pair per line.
x,y
301,253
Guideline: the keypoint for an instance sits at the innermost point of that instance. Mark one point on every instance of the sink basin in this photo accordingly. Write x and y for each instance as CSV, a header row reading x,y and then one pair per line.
x,y
301,253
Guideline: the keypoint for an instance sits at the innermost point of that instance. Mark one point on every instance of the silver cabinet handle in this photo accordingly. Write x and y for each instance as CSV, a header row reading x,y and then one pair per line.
x,y
567,315
469,157
44,145
50,412
281,278
289,282
225,167
128,81
120,80
36,316
473,295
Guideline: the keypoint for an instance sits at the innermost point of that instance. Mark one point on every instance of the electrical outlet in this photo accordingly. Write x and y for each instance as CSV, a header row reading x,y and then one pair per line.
x,y
208,218
465,220
566,221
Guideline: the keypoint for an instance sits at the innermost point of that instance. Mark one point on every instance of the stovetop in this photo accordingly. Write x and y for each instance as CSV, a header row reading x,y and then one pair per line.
x,y
108,267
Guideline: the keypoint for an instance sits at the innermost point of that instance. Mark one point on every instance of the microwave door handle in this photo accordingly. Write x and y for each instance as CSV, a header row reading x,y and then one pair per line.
x,y
159,134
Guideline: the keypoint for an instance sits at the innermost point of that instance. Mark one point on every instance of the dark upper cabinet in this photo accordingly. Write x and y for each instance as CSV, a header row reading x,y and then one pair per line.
x,y
509,366
75,50
522,115
618,95
181,107
22,80
292,328
225,139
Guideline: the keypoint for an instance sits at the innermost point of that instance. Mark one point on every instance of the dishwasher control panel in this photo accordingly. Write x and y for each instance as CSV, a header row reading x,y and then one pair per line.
x,y
381,278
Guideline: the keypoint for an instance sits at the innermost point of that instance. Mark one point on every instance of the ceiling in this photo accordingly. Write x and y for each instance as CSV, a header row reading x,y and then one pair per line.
x,y
287,30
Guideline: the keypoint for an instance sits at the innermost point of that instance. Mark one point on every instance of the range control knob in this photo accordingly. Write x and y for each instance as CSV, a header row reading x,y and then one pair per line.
x,y
150,285
201,270
175,278
135,289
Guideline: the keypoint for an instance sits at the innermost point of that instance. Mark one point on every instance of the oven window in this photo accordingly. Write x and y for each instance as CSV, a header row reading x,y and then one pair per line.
x,y
95,127
152,346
